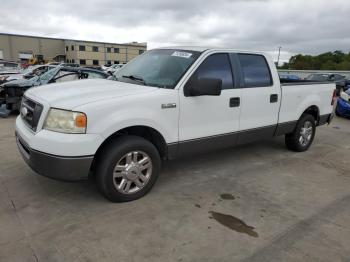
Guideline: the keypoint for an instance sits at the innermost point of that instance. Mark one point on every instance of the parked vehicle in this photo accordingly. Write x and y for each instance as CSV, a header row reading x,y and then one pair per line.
x,y
11,93
114,68
105,67
54,63
94,67
338,79
164,104
289,77
28,73
7,65
69,64
347,84
343,104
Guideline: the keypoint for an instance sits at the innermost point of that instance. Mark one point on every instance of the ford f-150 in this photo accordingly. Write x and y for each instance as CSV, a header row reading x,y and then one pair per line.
x,y
163,104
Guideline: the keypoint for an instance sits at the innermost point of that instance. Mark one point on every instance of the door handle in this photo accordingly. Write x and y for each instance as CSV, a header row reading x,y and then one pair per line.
x,y
273,98
235,102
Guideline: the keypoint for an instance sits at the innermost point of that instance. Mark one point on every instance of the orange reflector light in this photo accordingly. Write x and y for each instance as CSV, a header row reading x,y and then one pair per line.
x,y
80,121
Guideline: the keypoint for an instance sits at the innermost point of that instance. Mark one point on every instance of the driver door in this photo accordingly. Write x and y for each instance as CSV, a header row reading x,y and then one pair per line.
x,y
209,122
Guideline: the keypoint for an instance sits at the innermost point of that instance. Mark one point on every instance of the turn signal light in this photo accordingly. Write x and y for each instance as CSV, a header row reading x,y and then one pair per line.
x,y
80,121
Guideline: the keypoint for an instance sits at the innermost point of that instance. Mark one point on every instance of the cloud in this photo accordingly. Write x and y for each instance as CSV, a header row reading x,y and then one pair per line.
x,y
298,26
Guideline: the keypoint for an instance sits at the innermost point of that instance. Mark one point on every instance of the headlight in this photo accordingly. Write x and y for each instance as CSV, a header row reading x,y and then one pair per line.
x,y
64,121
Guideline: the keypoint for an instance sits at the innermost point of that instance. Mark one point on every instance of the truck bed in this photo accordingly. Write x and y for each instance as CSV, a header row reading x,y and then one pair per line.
x,y
300,94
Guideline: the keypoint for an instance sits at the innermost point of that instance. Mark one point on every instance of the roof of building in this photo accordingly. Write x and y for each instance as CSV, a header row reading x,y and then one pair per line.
x,y
136,44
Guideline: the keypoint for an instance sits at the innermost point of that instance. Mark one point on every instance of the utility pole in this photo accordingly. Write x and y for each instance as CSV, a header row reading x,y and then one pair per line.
x,y
279,53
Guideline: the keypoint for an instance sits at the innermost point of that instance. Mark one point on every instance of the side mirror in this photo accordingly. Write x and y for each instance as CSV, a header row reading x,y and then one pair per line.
x,y
203,87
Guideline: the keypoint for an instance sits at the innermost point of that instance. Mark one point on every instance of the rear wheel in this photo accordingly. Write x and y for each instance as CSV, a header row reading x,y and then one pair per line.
x,y
303,135
127,168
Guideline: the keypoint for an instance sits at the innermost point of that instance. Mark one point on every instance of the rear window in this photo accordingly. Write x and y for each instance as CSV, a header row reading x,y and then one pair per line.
x,y
256,71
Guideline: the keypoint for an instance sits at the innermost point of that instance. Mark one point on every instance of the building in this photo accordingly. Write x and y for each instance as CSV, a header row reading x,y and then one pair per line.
x,y
23,48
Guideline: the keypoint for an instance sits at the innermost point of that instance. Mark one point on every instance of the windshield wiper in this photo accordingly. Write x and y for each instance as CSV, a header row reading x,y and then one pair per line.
x,y
136,78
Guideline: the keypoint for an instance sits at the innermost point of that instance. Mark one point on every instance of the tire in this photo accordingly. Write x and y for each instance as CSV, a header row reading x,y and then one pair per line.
x,y
124,159
297,141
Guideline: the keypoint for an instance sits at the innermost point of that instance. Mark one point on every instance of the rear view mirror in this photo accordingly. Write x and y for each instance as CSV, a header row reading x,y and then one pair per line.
x,y
203,87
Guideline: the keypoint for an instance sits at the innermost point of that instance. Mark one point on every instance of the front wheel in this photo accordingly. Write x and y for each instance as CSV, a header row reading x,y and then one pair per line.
x,y
303,135
127,168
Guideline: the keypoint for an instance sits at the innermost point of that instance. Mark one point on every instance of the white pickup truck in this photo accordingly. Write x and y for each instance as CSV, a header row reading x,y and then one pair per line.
x,y
164,104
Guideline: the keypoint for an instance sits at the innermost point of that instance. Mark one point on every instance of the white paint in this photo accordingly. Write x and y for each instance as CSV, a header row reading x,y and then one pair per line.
x,y
111,106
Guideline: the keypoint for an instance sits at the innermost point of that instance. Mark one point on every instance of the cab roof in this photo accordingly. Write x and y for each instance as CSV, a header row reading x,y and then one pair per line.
x,y
208,48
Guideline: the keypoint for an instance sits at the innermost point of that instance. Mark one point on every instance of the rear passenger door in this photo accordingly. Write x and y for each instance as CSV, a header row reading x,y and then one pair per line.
x,y
260,98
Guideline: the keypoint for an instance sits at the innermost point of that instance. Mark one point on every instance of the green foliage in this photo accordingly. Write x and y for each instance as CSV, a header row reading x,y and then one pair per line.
x,y
336,60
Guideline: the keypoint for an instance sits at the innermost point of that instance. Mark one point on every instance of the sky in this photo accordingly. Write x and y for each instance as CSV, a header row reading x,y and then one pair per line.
x,y
297,26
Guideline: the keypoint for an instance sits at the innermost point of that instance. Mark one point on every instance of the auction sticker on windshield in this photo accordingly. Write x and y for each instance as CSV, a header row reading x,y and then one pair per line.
x,y
182,54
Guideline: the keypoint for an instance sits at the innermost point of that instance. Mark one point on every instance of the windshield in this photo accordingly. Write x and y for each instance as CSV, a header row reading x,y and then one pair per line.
x,y
49,74
317,77
159,67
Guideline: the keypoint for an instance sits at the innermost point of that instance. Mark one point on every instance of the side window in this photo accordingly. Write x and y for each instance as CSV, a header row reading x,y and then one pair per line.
x,y
255,69
216,66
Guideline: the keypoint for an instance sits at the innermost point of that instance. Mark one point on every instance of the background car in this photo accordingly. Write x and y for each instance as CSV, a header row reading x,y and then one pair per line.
x,y
114,68
289,77
27,73
338,79
11,93
347,84
343,104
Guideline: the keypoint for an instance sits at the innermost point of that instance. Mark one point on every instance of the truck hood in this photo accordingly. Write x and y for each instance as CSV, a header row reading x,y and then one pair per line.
x,y
69,95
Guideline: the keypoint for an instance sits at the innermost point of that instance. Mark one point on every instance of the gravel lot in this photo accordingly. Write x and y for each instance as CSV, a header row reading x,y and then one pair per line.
x,y
257,202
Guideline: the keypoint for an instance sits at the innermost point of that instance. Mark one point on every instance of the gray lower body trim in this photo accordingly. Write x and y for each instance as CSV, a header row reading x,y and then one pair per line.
x,y
56,167
207,144
255,134
325,119
211,143
285,128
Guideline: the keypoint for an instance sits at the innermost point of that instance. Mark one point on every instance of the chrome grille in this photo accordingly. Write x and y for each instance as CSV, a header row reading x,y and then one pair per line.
x,y
31,112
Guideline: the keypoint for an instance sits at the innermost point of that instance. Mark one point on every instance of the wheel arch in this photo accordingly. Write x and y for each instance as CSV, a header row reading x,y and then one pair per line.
x,y
314,111
150,134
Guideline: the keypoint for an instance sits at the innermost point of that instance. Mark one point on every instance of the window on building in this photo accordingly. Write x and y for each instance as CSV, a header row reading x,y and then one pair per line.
x,y
116,50
82,61
108,49
72,47
116,62
66,48
95,49
109,62
81,48
95,62
141,52
216,66
255,69
72,61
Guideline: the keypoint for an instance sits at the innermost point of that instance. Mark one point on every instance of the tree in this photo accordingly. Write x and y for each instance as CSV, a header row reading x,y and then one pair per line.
x,y
336,60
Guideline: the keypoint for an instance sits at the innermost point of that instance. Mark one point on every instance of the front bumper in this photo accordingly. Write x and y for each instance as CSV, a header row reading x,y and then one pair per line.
x,y
57,167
